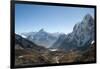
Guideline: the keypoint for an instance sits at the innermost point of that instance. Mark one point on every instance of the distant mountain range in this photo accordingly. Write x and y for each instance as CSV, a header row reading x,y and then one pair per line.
x,y
41,37
82,35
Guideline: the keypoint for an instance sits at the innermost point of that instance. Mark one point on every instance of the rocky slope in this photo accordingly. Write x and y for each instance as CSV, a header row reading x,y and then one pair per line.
x,y
28,53
81,36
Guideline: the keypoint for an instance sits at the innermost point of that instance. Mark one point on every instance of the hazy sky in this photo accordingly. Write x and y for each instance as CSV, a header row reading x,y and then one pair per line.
x,y
30,18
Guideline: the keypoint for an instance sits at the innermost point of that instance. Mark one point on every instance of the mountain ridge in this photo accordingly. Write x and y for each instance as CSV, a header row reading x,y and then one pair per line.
x,y
82,34
42,37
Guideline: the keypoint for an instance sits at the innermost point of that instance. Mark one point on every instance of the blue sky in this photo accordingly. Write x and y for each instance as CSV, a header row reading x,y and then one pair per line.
x,y
30,18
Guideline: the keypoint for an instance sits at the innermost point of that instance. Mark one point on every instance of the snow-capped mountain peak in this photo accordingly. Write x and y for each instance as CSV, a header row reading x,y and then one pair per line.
x,y
82,35
41,37
42,30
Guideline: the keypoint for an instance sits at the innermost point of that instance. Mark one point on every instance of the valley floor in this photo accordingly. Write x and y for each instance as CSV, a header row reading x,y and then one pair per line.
x,y
27,57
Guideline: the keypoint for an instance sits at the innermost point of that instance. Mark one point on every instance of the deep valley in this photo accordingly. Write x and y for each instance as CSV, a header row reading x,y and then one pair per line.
x,y
37,48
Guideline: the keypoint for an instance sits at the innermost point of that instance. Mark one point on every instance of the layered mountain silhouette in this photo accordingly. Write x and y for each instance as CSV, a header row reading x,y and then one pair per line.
x,y
42,37
82,35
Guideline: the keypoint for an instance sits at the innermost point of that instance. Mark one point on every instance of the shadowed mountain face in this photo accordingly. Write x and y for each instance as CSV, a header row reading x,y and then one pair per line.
x,y
28,53
82,35
21,42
